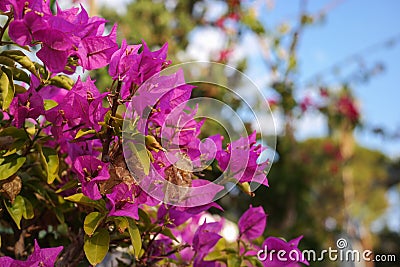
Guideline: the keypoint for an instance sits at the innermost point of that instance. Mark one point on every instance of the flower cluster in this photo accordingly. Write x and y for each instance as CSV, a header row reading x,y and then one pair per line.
x,y
70,35
67,126
39,257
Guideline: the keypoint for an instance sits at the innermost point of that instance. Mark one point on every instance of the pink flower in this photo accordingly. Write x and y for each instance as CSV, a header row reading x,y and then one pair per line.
x,y
122,202
239,160
347,108
39,257
252,223
26,105
122,60
95,52
91,171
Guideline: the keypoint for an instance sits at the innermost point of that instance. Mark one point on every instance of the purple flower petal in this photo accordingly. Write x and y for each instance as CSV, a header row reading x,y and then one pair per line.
x,y
206,237
96,51
252,223
122,202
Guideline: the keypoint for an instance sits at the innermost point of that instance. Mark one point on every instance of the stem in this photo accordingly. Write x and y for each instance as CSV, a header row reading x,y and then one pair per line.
x,y
108,138
73,253
6,43
238,246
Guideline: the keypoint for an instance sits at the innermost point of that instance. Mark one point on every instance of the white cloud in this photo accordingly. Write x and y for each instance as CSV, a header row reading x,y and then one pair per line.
x,y
311,125
205,42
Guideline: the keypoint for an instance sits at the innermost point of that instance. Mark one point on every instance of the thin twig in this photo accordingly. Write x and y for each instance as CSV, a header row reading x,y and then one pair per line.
x,y
108,138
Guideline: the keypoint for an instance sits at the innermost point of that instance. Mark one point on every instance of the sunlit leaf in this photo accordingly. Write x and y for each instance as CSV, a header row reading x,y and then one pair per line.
x,y
50,163
135,237
254,261
83,132
19,57
233,261
10,165
20,75
16,210
92,221
96,246
62,81
216,255
6,87
48,104
84,200
121,223
140,152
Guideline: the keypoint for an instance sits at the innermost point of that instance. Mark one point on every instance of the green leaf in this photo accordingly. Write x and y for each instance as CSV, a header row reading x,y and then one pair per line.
x,y
10,165
254,261
83,132
216,255
50,163
14,132
230,250
250,19
121,223
234,261
28,209
140,152
15,137
41,70
19,89
135,237
7,61
84,200
19,57
6,87
20,75
69,185
49,104
144,217
96,246
16,210
92,221
62,81
59,214
165,231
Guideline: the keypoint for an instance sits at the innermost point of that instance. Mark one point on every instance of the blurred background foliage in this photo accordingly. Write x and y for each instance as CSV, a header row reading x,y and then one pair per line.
x,y
321,188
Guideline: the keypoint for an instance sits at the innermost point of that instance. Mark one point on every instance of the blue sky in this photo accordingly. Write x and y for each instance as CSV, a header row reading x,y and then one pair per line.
x,y
351,27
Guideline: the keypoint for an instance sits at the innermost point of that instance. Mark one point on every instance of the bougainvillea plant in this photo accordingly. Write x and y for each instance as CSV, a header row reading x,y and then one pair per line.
x,y
64,178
